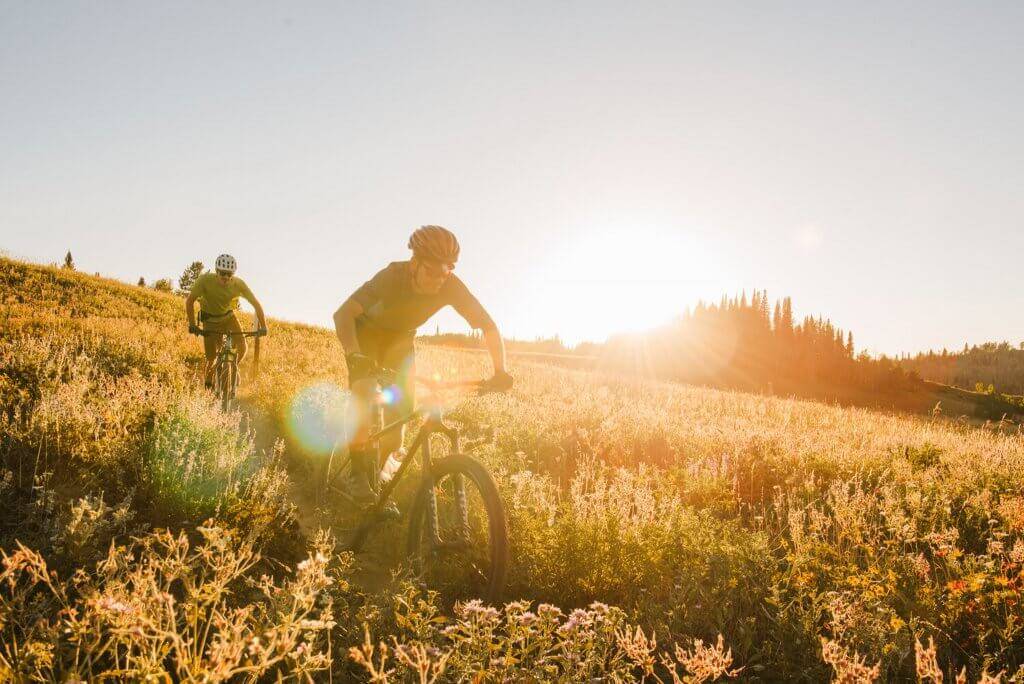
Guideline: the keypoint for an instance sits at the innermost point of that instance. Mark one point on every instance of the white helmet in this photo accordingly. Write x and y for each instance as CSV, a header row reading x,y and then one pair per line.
x,y
226,262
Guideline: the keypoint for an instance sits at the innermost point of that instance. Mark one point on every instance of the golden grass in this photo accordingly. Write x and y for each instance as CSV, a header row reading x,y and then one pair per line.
x,y
819,541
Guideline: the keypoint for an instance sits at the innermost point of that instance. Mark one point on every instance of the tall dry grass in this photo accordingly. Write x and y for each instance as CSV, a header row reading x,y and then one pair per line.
x,y
819,542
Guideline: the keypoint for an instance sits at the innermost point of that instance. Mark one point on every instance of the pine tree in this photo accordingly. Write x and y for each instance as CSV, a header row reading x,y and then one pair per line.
x,y
787,317
849,344
764,310
189,276
69,262
142,282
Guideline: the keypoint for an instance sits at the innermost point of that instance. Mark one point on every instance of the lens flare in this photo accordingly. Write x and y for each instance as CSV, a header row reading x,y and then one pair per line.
x,y
321,417
391,395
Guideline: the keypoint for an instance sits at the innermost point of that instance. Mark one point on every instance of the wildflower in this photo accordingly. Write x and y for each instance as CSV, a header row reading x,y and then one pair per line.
x,y
476,610
922,568
526,619
1017,553
469,607
578,618
318,560
112,604
546,610
849,667
316,624
926,661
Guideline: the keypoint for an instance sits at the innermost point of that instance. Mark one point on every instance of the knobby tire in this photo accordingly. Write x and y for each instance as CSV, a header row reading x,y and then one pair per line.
x,y
475,476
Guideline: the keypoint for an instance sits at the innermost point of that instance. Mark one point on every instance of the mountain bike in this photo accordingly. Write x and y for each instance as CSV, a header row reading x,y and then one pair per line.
x,y
458,535
225,369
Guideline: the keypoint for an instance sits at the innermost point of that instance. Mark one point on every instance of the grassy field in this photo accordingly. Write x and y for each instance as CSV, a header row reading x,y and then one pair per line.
x,y
659,531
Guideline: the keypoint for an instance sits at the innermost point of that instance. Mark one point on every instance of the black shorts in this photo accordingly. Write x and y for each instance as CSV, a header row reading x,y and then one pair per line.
x,y
396,351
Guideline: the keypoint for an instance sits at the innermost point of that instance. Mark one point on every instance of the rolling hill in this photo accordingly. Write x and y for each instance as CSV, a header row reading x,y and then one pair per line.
x,y
148,534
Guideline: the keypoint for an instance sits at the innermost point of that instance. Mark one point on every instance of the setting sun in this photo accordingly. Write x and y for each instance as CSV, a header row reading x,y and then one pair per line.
x,y
625,280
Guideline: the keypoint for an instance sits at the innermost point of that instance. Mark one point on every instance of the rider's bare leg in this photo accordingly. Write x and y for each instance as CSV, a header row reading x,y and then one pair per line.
x,y
361,412
211,345
360,449
393,440
361,417
238,342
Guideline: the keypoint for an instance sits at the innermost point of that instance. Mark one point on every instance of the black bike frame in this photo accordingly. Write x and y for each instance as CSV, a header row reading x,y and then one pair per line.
x,y
433,425
227,357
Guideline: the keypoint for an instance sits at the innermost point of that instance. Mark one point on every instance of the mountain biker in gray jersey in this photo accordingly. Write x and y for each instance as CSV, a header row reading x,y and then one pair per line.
x,y
376,326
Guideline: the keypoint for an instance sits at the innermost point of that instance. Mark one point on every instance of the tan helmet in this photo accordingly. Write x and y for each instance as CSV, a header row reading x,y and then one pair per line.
x,y
435,244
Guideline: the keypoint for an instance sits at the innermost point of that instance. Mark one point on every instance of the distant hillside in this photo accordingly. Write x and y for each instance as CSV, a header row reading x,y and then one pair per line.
x,y
30,290
747,344
998,365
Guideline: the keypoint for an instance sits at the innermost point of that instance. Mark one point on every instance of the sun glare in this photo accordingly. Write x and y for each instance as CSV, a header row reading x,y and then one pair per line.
x,y
318,418
628,281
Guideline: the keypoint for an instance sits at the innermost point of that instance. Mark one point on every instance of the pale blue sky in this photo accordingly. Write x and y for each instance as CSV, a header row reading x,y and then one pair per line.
x,y
604,164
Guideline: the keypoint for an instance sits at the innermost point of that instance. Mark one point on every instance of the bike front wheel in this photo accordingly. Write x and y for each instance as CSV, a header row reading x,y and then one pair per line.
x,y
228,379
458,534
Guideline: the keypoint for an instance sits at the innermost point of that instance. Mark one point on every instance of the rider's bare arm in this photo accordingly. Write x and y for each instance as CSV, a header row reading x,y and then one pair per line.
x,y
476,315
345,325
190,312
496,348
261,320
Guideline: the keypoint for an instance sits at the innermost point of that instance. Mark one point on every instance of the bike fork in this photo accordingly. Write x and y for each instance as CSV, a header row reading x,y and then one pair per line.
x,y
459,484
461,508
435,538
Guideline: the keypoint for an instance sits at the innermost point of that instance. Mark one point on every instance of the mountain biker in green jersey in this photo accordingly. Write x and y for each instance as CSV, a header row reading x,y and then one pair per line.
x,y
218,294
377,324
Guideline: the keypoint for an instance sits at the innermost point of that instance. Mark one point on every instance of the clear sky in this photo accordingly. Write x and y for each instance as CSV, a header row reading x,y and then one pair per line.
x,y
604,164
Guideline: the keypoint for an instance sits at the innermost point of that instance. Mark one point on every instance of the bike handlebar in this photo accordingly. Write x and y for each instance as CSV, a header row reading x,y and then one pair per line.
x,y
364,367
387,376
244,333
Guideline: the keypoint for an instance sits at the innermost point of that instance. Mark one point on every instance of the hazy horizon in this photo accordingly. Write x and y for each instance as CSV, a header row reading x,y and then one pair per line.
x,y
603,167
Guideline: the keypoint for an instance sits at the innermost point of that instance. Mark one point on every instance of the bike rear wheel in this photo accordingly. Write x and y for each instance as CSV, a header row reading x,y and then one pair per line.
x,y
469,556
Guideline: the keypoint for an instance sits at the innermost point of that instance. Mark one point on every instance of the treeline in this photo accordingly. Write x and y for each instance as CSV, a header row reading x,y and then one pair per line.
x,y
188,277
987,367
753,344
757,344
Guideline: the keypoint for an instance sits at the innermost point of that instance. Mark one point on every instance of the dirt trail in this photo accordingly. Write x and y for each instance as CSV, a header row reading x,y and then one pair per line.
x,y
373,565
